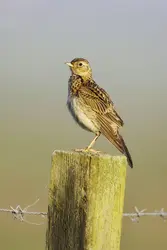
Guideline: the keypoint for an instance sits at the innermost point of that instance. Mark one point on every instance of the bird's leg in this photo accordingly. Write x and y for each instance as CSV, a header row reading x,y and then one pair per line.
x,y
92,143
89,148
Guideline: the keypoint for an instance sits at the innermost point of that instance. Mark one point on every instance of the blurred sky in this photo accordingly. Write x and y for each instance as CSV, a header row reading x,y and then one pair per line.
x,y
125,42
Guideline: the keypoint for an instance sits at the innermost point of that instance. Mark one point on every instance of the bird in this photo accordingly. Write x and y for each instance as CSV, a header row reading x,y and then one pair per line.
x,y
92,108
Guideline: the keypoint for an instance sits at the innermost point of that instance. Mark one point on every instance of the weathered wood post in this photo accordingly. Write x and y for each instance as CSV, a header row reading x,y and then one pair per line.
x,y
86,198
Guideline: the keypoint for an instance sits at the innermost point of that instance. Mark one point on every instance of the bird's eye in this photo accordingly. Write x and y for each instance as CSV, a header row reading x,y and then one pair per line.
x,y
80,64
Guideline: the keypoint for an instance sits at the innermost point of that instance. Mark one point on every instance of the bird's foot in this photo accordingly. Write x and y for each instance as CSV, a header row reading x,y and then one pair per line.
x,y
79,149
91,150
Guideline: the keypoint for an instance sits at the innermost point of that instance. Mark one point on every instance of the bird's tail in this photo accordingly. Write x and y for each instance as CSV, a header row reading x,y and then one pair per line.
x,y
118,142
125,151
110,131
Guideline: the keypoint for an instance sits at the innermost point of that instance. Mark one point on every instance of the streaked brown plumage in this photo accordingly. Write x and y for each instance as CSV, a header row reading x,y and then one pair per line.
x,y
92,107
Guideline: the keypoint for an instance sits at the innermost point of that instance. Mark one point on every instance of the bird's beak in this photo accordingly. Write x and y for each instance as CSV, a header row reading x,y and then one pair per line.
x,y
69,64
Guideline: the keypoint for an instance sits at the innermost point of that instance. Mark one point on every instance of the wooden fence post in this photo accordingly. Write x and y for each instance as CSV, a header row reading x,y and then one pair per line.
x,y
86,197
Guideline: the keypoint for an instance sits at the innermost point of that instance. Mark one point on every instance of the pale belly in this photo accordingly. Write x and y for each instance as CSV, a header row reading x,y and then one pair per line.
x,y
82,115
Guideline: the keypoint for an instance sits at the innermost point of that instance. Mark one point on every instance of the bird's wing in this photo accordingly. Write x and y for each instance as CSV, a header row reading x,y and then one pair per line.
x,y
100,102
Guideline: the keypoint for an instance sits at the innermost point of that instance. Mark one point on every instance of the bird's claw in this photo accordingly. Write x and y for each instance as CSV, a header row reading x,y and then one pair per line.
x,y
91,150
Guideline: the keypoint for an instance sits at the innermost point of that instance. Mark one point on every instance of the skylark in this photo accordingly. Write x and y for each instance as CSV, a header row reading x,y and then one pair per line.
x,y
92,108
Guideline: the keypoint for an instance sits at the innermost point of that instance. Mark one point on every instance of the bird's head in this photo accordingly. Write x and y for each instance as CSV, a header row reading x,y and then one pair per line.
x,y
80,66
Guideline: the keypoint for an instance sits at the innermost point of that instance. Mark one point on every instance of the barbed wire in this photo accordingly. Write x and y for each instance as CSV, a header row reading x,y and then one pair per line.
x,y
135,216
20,213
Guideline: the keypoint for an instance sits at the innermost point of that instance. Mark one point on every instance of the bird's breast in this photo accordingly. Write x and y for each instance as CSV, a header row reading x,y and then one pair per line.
x,y
82,114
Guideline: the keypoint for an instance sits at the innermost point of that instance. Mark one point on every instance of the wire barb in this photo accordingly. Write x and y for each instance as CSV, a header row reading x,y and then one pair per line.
x,y
140,213
20,213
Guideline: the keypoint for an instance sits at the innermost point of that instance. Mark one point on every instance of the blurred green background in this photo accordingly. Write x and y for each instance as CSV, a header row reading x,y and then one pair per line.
x,y
125,42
